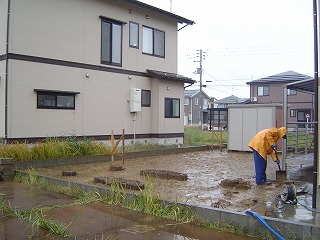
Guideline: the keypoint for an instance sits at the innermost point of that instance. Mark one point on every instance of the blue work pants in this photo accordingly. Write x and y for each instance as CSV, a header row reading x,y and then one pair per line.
x,y
260,166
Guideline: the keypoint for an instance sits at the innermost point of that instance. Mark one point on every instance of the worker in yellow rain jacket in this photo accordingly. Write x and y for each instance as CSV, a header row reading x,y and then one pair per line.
x,y
263,143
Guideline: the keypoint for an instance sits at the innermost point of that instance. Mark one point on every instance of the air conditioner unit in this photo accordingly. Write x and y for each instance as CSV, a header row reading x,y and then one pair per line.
x,y
254,99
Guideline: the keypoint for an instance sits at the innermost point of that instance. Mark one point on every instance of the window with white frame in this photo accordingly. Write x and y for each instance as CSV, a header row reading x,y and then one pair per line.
x,y
263,90
172,108
196,101
186,101
111,42
205,103
153,41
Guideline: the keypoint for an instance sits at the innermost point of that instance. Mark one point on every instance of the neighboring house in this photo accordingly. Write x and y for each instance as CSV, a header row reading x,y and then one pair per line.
x,y
87,68
193,107
224,102
218,116
270,90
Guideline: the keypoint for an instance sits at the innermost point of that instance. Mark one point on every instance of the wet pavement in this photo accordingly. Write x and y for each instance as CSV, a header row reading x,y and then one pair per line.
x,y
299,209
93,221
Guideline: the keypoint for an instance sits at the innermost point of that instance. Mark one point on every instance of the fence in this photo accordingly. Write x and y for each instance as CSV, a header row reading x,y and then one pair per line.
x,y
300,137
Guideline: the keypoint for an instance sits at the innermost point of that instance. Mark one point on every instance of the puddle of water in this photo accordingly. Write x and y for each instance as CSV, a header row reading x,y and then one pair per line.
x,y
299,212
94,221
24,197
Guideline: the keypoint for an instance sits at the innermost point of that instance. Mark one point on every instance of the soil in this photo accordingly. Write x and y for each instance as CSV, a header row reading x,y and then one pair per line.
x,y
217,179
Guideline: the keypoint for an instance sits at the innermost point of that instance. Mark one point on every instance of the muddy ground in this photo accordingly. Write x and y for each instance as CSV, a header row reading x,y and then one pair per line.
x,y
218,179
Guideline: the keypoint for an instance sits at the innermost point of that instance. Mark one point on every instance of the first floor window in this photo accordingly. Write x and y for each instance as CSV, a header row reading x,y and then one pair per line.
x,y
172,108
263,91
293,113
55,100
145,98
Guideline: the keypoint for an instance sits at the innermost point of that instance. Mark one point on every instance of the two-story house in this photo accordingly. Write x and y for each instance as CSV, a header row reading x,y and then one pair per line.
x,y
196,104
87,68
270,90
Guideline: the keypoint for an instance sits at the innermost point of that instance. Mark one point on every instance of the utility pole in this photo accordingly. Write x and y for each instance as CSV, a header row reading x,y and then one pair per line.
x,y
199,71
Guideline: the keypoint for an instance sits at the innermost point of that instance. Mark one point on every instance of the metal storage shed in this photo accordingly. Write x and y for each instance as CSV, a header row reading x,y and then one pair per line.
x,y
244,121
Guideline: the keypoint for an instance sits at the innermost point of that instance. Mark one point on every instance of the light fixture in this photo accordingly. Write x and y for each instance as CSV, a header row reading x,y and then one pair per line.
x,y
168,88
87,75
130,11
147,16
129,77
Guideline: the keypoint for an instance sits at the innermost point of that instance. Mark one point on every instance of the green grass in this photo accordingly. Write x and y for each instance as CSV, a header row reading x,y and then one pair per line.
x,y
72,146
146,201
195,136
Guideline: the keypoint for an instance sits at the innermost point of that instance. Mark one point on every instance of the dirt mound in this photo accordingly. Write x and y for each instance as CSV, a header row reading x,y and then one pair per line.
x,y
220,204
164,174
236,183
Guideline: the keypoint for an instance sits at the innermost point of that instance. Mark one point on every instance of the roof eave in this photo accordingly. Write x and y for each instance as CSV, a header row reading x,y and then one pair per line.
x,y
159,11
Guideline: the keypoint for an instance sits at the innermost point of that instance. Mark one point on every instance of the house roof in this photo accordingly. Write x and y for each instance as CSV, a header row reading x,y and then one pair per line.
x,y
286,77
192,93
302,86
169,76
231,100
159,11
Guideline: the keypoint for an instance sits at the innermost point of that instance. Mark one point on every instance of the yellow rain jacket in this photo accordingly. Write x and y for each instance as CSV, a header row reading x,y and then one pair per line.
x,y
262,142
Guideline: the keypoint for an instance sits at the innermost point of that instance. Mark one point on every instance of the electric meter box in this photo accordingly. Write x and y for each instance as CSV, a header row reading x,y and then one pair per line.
x,y
135,100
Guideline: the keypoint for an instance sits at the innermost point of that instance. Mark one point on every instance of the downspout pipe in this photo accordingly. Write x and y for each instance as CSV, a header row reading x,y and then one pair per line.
x,y
285,121
7,75
316,154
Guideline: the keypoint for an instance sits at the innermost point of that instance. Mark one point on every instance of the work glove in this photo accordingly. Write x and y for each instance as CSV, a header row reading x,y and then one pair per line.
x,y
278,161
275,146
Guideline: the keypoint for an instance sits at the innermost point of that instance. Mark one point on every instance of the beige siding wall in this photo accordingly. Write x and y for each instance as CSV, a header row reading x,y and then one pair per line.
x,y
2,99
71,30
101,106
3,25
3,40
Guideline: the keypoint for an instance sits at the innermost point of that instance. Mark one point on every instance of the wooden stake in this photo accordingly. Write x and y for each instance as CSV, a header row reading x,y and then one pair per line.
x,y
122,147
113,147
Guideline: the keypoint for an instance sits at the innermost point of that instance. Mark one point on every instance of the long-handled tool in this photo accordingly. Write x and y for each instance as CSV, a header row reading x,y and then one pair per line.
x,y
280,175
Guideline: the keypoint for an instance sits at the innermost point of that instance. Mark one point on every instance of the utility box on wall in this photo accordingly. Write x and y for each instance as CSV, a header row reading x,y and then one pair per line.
x,y
135,100
245,121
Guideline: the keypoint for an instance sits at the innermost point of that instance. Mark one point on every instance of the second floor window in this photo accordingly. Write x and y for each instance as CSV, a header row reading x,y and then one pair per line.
x,y
186,101
152,41
291,92
111,38
196,101
134,35
263,91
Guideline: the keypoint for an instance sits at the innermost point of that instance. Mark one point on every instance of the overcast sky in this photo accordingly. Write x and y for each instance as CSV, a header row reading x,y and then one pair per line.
x,y
243,40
